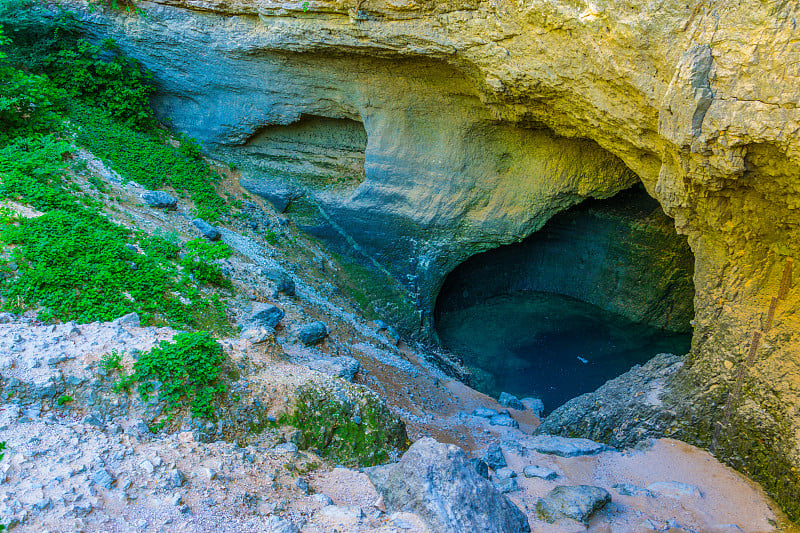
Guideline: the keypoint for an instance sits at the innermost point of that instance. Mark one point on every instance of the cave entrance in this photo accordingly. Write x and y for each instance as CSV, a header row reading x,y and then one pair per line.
x,y
601,287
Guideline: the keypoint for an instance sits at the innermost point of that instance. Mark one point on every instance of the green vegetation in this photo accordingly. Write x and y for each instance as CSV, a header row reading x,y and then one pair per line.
x,y
144,157
360,431
187,371
73,262
64,399
111,361
199,253
78,266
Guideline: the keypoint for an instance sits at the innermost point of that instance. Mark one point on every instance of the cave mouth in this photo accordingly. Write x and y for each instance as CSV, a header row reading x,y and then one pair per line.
x,y
603,286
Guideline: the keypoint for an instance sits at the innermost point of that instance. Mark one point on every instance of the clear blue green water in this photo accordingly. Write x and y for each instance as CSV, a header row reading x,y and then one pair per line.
x,y
549,346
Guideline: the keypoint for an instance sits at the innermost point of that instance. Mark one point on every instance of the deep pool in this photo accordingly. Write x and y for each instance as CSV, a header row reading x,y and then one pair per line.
x,y
549,346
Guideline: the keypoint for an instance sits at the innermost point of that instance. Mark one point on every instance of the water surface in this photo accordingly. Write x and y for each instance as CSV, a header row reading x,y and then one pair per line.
x,y
549,346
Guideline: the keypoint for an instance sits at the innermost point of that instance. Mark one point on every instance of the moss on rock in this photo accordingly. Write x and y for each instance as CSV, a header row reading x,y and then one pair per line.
x,y
349,426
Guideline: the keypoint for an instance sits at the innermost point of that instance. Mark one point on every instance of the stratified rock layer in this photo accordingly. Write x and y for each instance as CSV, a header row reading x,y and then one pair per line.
x,y
483,119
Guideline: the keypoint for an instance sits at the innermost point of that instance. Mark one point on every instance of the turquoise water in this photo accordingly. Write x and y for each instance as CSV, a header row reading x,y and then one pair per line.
x,y
549,346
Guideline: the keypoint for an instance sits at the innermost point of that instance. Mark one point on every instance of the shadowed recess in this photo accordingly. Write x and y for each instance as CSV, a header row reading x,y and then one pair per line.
x,y
601,287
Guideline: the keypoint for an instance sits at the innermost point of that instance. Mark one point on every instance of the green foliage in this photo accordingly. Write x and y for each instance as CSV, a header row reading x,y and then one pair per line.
x,y
37,33
76,266
199,253
144,157
49,42
111,361
28,104
332,427
186,369
73,263
100,76
64,399
31,171
121,5
8,216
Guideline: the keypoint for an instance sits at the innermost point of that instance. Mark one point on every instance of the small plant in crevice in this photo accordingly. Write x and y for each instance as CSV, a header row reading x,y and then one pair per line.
x,y
111,361
64,399
184,372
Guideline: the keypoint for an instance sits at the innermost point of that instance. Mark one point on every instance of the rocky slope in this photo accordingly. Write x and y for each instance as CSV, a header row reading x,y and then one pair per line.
x,y
83,456
483,119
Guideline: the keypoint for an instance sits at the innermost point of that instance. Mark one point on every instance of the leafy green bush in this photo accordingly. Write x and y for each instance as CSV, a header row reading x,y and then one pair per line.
x,y
145,158
199,253
49,42
64,399
76,266
111,361
188,370
31,171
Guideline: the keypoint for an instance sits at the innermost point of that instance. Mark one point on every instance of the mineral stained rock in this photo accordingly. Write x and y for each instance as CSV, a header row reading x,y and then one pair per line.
x,y
427,132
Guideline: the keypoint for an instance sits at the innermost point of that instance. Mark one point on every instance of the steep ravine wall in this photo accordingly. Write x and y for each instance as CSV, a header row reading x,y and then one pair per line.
x,y
483,119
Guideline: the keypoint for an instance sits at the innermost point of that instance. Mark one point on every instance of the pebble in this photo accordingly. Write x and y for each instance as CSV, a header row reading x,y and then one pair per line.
x,y
674,489
484,412
503,420
540,472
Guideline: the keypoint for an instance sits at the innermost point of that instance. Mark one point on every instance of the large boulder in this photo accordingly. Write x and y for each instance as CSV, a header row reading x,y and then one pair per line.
x,y
313,333
578,502
268,317
438,483
209,232
159,199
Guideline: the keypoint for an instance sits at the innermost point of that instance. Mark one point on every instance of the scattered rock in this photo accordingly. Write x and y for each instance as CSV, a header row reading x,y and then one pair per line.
x,y
674,489
541,472
209,232
629,489
504,473
175,478
503,420
268,317
103,478
131,320
344,367
575,502
286,447
324,499
480,467
510,401
276,524
565,447
494,456
313,333
159,199
505,480
484,412
437,482
535,405
258,335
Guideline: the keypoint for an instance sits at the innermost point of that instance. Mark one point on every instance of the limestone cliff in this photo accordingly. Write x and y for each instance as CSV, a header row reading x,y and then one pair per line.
x,y
479,120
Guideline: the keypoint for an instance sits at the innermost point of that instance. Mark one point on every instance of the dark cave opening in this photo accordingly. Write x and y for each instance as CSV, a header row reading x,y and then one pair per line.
x,y
601,287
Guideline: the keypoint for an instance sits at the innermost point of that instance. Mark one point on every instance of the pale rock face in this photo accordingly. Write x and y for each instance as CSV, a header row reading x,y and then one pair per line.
x,y
477,121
